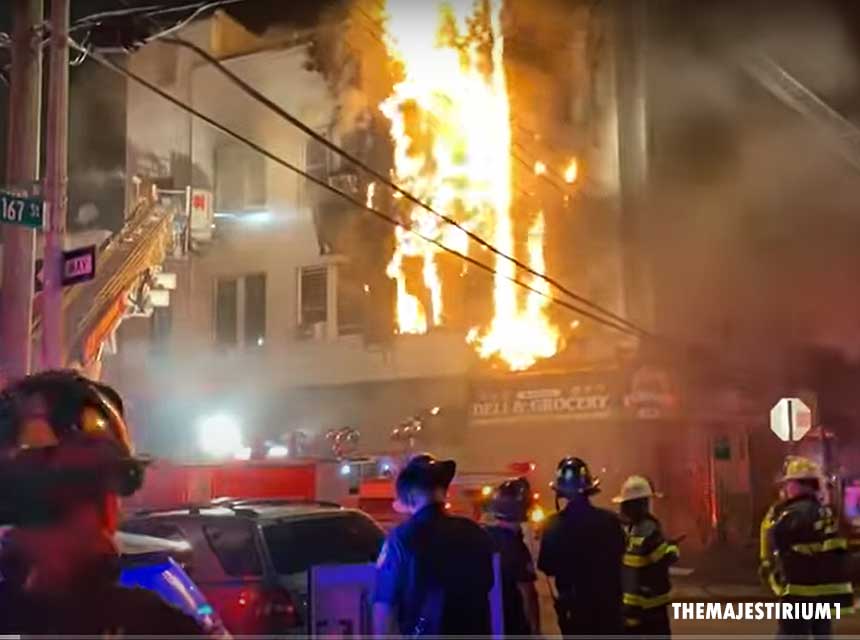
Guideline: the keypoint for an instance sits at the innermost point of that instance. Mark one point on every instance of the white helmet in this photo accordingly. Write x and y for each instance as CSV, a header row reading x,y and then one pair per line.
x,y
634,488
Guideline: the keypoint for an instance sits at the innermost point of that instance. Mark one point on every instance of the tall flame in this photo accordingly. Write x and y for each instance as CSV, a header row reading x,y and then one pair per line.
x,y
450,122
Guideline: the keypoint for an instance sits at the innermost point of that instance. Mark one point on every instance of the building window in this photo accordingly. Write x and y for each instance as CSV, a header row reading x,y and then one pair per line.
x,y
331,303
160,327
240,179
255,309
320,161
313,301
351,301
226,316
240,311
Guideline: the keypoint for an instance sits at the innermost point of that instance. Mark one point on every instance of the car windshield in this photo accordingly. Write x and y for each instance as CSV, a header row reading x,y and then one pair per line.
x,y
297,545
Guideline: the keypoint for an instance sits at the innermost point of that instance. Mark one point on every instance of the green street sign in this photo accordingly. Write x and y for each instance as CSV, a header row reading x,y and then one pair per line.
x,y
20,210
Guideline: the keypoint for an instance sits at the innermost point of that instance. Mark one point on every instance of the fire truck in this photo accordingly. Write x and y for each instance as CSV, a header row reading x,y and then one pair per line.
x,y
362,482
372,489
168,484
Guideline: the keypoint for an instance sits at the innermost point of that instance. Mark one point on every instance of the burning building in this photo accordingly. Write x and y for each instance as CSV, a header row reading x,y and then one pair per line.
x,y
492,132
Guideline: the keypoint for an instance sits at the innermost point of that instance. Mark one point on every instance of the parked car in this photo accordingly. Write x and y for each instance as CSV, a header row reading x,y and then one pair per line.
x,y
157,565
251,557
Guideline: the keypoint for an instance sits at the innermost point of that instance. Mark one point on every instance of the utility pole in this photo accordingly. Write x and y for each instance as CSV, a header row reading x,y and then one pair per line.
x,y
22,171
56,170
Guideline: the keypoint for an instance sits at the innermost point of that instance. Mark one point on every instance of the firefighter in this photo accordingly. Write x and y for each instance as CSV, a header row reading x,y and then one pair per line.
x,y
645,569
581,549
803,557
435,571
510,505
65,460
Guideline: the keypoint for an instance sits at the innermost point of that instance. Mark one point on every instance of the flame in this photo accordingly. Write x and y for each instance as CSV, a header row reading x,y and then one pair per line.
x,y
371,192
540,168
571,172
450,121
521,338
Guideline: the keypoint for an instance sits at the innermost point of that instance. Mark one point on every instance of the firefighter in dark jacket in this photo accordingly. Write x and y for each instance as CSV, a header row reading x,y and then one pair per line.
x,y
645,570
803,557
65,460
435,571
510,505
581,549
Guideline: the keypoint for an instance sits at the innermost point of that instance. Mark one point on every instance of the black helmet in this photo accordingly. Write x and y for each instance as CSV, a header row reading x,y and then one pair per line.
x,y
63,439
512,500
425,472
572,478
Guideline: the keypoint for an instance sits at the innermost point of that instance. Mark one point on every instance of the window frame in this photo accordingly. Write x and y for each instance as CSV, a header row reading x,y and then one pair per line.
x,y
241,340
304,331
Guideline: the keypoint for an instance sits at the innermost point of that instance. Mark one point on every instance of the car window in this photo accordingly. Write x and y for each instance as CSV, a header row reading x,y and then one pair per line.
x,y
232,541
297,545
155,528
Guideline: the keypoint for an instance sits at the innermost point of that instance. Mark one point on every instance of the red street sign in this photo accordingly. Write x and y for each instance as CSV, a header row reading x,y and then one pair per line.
x,y
79,265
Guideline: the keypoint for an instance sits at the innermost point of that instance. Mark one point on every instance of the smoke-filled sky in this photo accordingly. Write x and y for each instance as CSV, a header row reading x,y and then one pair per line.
x,y
755,219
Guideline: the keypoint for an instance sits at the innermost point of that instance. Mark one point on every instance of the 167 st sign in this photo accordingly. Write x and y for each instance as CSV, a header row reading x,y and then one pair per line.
x,y
21,210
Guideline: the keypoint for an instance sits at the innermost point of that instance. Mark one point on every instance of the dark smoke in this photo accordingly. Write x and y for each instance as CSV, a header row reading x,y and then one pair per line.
x,y
752,216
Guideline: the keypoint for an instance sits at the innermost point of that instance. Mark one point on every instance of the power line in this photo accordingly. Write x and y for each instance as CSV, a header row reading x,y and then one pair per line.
x,y
183,23
272,106
354,201
146,12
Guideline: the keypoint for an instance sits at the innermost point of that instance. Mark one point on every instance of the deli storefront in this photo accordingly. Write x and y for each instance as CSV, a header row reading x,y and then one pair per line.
x,y
621,422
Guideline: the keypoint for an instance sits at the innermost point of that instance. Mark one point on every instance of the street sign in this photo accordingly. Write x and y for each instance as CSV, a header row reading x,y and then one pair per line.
x,y
79,265
20,210
790,419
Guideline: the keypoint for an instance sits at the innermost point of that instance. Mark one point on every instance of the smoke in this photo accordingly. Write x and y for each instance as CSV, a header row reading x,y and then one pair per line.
x,y
97,145
193,382
752,212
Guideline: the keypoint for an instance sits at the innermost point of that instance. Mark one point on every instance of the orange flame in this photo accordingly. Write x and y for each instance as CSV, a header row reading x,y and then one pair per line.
x,y
450,122
571,172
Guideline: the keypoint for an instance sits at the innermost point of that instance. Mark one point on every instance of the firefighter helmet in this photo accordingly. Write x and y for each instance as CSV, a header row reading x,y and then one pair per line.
x,y
63,438
424,471
572,477
512,500
635,488
800,468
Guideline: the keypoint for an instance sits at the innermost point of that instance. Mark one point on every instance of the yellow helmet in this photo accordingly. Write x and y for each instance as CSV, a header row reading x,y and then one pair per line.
x,y
800,468
634,488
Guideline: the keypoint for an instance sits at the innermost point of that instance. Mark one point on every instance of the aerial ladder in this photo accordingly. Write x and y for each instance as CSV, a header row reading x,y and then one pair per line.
x,y
93,310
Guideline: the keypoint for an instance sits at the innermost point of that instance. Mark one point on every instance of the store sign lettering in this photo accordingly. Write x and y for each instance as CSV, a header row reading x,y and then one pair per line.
x,y
546,402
